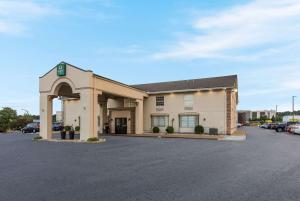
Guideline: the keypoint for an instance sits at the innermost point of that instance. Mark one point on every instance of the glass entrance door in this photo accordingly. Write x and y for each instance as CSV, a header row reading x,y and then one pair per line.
x,y
121,126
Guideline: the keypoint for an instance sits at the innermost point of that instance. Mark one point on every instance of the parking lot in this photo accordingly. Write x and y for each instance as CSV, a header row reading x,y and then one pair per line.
x,y
265,167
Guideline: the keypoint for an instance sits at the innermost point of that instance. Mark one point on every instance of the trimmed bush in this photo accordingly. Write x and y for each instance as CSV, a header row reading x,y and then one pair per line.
x,y
170,129
156,130
37,138
93,139
77,128
68,128
199,129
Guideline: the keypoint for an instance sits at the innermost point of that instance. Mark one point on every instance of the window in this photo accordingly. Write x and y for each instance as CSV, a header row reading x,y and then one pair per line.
x,y
160,101
129,103
188,100
159,121
189,121
254,115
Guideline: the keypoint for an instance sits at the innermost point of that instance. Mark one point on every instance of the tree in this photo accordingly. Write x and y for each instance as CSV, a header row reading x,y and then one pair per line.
x,y
273,119
263,119
279,118
8,117
22,121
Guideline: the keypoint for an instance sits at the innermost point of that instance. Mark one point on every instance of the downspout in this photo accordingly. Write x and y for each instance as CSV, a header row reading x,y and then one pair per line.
x,y
225,111
94,106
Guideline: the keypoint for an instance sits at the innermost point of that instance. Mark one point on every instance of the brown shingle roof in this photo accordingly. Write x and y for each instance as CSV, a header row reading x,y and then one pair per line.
x,y
205,83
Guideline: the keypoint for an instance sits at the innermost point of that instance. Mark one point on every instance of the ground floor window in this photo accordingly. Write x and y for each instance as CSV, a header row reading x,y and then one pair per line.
x,y
159,121
188,121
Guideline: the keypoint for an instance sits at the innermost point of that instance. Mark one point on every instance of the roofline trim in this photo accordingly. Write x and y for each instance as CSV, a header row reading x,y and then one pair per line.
x,y
67,64
195,79
190,90
120,83
99,76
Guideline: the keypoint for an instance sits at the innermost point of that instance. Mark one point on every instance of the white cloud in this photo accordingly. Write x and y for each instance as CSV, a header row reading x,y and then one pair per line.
x,y
241,32
15,15
267,81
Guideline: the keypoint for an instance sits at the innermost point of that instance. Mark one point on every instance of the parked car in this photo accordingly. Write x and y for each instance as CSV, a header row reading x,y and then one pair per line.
x,y
288,129
293,128
265,126
297,129
31,128
272,125
57,127
280,127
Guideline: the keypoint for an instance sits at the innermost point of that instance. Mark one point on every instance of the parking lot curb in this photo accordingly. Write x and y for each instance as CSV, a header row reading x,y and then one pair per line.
x,y
234,138
73,141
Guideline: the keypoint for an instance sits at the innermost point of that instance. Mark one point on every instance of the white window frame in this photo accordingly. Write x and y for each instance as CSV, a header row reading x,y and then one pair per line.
x,y
188,100
188,121
160,101
161,122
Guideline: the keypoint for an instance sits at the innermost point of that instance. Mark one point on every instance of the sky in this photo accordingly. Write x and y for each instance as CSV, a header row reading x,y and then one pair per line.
x,y
136,42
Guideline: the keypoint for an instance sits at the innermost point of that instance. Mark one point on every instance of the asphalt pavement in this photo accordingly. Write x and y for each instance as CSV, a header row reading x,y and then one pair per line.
x,y
266,167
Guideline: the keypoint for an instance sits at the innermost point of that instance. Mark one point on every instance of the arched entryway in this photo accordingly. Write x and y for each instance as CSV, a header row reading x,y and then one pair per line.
x,y
63,93
70,122
91,93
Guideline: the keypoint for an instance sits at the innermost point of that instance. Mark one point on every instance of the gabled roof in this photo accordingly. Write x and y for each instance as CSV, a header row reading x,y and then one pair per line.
x,y
195,84
68,65
98,76
175,86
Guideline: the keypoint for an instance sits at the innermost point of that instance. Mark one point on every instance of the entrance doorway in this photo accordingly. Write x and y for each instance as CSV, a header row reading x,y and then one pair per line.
x,y
121,126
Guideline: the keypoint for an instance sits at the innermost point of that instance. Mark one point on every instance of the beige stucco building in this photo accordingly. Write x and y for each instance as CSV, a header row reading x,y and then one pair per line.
x,y
96,103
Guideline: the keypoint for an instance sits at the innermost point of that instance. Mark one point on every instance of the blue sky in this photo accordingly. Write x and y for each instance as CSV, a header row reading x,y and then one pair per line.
x,y
148,41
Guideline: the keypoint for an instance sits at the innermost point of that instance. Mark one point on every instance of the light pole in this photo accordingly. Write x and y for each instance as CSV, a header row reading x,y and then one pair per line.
x,y
294,107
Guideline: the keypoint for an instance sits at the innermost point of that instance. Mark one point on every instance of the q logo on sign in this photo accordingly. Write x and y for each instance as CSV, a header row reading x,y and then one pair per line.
x,y
61,70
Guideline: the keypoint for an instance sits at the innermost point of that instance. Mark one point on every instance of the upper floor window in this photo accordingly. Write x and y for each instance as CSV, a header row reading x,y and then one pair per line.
x,y
188,100
129,103
160,101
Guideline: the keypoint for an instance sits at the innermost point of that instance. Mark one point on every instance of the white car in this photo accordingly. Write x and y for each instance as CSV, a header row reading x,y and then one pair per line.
x,y
264,126
296,129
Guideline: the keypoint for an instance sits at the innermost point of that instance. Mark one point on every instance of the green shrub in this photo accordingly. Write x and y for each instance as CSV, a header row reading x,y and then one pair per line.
x,y
68,128
199,129
93,139
77,128
37,138
156,130
170,129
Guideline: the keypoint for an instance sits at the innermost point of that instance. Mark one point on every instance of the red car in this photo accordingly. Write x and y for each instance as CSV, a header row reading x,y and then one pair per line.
x,y
291,128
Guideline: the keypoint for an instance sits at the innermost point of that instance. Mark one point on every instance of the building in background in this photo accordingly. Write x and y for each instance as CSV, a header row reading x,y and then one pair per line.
x,y
59,117
245,115
290,118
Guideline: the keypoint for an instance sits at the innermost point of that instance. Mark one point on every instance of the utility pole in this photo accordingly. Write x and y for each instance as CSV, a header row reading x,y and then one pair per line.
x,y
276,111
294,107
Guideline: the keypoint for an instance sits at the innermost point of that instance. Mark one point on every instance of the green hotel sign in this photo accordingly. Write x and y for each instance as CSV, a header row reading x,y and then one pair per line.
x,y
61,69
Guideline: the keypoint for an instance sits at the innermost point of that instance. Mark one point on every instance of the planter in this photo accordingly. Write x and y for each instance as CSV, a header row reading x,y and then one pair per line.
x,y
63,135
72,135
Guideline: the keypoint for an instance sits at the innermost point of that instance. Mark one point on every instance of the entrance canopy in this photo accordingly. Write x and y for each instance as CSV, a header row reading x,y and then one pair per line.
x,y
69,81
